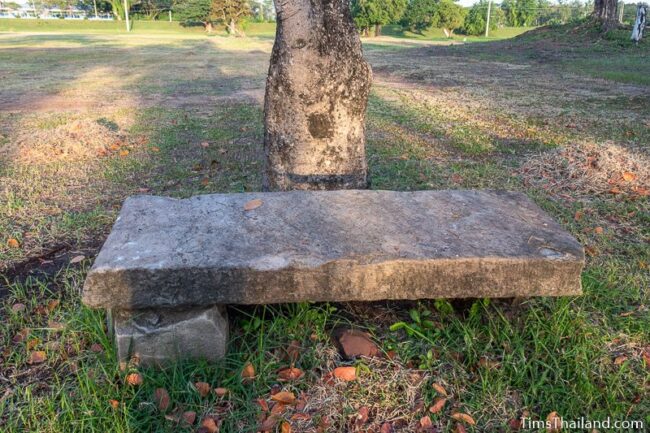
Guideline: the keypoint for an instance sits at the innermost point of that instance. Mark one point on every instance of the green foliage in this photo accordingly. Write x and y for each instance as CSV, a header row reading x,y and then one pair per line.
x,y
227,12
193,11
521,13
476,18
368,13
422,14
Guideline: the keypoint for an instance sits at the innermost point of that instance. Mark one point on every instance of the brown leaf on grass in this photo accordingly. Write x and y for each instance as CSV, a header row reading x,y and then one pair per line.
x,y
205,144
155,149
32,343
248,373
620,359
463,417
293,351
354,343
13,243
220,392
386,428
114,403
438,405
52,304
161,398
289,374
553,422
210,425
124,152
189,417
439,389
460,428
77,259
514,424
202,388
263,404
646,357
253,204
591,251
268,424
17,308
599,230
362,416
300,417
578,215
37,357
285,427
345,373
57,326
134,379
96,348
21,336
425,422
284,397
628,176
278,409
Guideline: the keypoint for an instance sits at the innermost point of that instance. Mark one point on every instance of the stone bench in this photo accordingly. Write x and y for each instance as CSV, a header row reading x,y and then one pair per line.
x,y
170,266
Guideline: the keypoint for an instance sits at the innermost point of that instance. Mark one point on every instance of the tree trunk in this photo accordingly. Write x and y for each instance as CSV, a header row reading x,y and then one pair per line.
x,y
232,27
316,97
208,26
366,33
605,12
639,23
377,29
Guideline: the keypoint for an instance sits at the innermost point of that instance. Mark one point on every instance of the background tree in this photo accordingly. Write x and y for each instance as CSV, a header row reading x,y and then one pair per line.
x,y
422,14
448,16
520,13
228,12
475,19
368,13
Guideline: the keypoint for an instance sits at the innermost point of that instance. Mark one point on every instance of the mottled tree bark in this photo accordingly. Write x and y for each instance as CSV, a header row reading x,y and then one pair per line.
x,y
605,12
316,96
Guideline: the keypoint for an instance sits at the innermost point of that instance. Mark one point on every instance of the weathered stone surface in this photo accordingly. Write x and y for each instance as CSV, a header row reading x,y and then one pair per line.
x,y
156,336
331,246
316,96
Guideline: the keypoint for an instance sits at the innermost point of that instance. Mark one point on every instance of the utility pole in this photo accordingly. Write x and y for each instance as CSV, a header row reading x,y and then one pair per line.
x,y
126,15
487,19
95,5
621,10
170,15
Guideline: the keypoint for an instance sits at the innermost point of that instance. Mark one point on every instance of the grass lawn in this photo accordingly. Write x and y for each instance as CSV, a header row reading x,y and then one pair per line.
x,y
89,119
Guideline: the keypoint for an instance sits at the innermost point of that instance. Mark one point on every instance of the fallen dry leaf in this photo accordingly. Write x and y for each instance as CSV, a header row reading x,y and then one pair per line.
x,y
425,422
263,404
96,348
124,152
248,373
386,428
439,389
460,428
161,398
289,374
438,405
278,409
21,336
189,417
210,425
114,403
268,424
253,204
620,360
76,259
13,243
578,215
202,388
646,358
599,230
463,417
37,357
155,149
285,427
17,308
362,416
300,417
284,397
134,379
628,176
345,373
220,392
205,144
52,304
554,422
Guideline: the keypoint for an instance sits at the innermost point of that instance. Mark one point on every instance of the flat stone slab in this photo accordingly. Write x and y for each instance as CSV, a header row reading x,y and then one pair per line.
x,y
331,246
